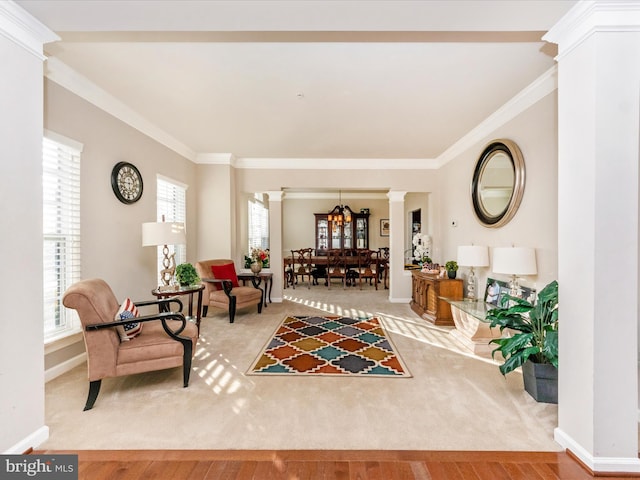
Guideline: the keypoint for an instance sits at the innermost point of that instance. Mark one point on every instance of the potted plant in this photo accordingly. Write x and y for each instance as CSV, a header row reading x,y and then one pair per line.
x,y
534,346
451,267
186,275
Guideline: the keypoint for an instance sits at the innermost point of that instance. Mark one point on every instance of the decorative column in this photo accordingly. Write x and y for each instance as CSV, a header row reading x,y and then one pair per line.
x,y
21,128
598,138
275,243
399,285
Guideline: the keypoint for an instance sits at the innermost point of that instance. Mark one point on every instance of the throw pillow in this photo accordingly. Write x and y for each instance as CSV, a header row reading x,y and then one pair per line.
x,y
127,311
225,272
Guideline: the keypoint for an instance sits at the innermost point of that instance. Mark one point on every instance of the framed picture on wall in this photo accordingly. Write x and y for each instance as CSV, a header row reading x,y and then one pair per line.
x,y
384,227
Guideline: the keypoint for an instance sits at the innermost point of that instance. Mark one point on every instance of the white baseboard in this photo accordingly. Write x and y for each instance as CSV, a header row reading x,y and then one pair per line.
x,y
32,441
597,464
64,367
399,299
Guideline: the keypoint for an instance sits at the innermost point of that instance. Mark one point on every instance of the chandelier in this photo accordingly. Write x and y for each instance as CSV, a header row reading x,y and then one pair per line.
x,y
340,214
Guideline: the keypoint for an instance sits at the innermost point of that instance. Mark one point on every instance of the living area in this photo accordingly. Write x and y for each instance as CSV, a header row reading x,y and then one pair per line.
x,y
218,187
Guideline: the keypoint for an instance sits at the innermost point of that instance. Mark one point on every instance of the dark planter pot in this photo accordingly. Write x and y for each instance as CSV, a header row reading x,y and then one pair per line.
x,y
452,274
541,381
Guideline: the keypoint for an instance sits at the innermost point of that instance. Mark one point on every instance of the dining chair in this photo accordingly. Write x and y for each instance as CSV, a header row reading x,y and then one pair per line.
x,y
367,267
336,266
301,265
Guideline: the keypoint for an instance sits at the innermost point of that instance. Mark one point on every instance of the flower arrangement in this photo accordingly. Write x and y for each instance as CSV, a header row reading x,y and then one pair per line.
x,y
422,248
257,255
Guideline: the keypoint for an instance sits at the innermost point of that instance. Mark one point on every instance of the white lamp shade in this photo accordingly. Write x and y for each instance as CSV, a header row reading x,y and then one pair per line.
x,y
473,256
163,233
515,261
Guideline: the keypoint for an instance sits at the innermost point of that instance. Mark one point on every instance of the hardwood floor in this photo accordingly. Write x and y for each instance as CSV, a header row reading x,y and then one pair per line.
x,y
325,464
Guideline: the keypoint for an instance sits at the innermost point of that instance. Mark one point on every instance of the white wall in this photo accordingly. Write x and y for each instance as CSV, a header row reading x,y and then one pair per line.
x,y
111,231
535,223
299,220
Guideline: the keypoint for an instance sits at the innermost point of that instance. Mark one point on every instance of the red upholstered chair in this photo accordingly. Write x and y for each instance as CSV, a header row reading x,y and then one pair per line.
x,y
222,289
165,340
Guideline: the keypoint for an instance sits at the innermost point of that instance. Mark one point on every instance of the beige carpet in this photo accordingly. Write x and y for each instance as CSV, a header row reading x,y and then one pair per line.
x,y
454,401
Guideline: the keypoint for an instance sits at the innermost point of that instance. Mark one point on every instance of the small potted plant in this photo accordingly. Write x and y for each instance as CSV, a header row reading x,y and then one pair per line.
x,y
186,275
534,345
451,267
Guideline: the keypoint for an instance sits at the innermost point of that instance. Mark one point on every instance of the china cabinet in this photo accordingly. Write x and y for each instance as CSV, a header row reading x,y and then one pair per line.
x,y
353,234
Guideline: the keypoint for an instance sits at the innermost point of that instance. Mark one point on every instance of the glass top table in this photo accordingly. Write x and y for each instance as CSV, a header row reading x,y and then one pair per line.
x,y
476,308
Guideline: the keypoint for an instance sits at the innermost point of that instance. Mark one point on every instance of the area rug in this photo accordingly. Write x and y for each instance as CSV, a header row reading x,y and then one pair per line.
x,y
330,346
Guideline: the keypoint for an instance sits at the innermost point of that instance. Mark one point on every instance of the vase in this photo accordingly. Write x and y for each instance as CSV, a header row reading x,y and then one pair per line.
x,y
451,274
256,267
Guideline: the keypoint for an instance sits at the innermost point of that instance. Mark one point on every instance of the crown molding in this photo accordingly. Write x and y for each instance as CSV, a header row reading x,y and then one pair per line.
x,y
336,163
336,195
65,76
589,17
23,29
530,95
62,74
216,159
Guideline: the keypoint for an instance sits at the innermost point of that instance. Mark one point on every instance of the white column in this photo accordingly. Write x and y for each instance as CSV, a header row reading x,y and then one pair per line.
x,y
275,243
598,138
398,290
21,127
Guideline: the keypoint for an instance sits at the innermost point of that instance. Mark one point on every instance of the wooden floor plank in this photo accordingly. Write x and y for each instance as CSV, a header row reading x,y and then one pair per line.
x,y
326,464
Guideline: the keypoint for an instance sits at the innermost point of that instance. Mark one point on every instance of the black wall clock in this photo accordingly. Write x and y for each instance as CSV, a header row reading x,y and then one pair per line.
x,y
126,182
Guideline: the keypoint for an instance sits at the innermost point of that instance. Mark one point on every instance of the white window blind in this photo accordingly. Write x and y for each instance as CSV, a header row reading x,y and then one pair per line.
x,y
61,231
258,225
172,204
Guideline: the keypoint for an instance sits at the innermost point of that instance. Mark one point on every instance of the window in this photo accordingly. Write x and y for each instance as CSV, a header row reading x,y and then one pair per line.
x,y
172,205
61,230
258,224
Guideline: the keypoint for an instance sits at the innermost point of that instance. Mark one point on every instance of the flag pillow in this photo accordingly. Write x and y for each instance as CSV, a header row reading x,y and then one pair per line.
x,y
127,311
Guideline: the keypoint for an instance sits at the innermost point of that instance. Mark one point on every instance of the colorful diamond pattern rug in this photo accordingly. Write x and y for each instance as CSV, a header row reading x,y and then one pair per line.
x,y
330,346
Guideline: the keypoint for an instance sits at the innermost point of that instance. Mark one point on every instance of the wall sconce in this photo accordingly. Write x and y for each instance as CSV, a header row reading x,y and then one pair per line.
x,y
155,234
472,256
514,261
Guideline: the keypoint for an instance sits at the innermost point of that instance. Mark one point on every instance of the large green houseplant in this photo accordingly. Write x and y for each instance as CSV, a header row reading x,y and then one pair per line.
x,y
534,345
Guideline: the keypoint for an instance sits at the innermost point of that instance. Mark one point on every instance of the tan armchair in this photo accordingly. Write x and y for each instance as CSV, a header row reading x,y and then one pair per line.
x,y
224,291
166,340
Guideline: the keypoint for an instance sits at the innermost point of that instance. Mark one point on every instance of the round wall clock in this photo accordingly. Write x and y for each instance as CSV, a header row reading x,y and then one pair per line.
x,y
126,182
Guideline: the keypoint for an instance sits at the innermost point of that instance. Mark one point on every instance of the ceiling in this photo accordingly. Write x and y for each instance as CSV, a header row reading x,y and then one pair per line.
x,y
304,79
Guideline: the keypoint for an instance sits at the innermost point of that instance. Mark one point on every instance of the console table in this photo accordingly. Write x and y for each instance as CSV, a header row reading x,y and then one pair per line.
x,y
471,329
428,293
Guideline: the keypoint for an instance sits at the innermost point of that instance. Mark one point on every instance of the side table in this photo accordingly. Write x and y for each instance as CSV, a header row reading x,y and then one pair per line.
x,y
266,278
185,291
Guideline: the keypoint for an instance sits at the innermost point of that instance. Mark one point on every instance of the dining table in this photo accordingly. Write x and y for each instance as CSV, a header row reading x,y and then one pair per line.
x,y
350,261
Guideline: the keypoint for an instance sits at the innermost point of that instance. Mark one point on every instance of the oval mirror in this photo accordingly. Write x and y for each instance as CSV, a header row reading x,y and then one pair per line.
x,y
498,183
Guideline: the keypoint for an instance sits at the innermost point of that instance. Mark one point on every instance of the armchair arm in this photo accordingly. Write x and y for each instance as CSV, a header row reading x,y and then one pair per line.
x,y
163,317
227,285
163,302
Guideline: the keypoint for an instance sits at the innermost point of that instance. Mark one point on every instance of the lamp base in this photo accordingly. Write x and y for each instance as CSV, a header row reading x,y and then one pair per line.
x,y
514,287
471,285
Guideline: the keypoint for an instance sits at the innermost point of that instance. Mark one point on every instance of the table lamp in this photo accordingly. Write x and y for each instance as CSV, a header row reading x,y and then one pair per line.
x,y
514,261
155,234
472,256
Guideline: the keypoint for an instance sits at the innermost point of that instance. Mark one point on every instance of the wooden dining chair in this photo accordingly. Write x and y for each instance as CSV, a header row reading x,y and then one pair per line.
x,y
301,265
367,267
336,267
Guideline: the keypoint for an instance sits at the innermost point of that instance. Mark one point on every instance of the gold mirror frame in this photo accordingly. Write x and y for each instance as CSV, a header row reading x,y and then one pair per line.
x,y
484,215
